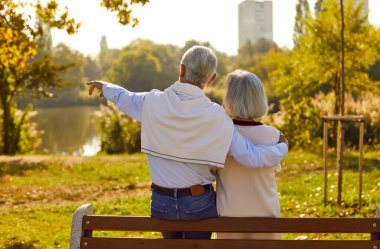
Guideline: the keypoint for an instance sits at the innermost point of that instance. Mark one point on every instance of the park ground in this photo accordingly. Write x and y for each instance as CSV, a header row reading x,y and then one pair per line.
x,y
39,194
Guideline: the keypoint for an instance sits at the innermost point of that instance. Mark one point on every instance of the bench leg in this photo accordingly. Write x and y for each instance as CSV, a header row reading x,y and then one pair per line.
x,y
376,236
76,225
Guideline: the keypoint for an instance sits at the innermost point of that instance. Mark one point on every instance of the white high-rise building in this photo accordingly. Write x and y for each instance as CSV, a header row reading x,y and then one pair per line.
x,y
255,20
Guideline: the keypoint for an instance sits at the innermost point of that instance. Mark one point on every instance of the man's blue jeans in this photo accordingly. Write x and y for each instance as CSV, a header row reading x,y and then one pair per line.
x,y
184,208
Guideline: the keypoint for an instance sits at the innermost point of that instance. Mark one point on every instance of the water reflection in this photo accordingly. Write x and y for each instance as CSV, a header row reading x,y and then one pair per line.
x,y
68,130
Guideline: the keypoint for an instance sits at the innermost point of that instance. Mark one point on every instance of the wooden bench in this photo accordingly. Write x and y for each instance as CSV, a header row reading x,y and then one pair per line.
x,y
84,223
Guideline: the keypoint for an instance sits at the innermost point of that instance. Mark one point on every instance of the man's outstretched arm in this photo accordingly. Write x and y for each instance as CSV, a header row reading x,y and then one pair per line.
x,y
128,102
257,156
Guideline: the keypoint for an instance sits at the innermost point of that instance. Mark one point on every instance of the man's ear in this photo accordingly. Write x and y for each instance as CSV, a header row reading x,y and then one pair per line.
x,y
182,70
211,79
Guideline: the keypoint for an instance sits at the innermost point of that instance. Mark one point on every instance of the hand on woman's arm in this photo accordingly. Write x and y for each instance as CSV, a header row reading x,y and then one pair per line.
x,y
257,156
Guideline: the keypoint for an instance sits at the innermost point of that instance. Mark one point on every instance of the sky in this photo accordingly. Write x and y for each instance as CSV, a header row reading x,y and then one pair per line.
x,y
175,22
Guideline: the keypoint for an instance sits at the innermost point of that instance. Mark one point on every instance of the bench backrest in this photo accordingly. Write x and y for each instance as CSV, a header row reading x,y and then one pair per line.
x,y
84,223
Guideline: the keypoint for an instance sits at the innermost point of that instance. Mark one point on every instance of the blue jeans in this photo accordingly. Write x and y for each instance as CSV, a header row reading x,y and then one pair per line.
x,y
184,208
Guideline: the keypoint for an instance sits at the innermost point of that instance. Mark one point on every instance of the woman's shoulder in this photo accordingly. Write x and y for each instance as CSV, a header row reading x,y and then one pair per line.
x,y
270,128
260,134
254,125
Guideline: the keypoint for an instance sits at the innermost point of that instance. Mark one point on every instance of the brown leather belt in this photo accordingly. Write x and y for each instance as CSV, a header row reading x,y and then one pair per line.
x,y
192,191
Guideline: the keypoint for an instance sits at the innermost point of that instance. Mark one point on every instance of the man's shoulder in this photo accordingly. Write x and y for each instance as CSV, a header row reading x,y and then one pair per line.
x,y
218,107
155,92
219,112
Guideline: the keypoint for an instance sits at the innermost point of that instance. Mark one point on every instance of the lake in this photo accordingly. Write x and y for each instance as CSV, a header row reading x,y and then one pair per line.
x,y
69,130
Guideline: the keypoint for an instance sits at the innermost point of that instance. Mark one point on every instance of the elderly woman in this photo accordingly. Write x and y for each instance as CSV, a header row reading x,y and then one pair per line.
x,y
243,192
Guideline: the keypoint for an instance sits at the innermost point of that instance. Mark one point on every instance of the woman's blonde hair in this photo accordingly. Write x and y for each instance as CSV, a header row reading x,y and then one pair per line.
x,y
245,97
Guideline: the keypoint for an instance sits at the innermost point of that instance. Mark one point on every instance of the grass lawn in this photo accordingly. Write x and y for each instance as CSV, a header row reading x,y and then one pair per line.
x,y
38,194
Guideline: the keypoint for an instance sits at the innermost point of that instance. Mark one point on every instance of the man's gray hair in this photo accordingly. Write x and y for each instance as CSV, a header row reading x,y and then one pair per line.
x,y
200,63
245,97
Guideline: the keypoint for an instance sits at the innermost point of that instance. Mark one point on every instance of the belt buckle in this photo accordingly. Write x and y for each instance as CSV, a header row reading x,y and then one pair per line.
x,y
197,190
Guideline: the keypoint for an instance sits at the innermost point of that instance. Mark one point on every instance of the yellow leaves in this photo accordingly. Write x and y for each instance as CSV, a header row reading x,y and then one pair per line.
x,y
52,5
123,9
8,33
135,22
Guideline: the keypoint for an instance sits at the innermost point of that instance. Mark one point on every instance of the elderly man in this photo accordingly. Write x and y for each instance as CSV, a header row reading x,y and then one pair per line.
x,y
186,136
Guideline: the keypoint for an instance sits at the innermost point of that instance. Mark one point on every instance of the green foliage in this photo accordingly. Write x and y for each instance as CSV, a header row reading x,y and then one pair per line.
x,y
374,71
20,71
91,69
119,133
301,123
314,65
318,6
144,65
215,94
30,136
367,105
106,58
23,69
123,9
26,136
167,57
250,55
302,12
136,70
253,56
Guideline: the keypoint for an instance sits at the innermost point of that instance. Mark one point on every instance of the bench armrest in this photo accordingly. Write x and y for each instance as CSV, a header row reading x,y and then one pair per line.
x,y
76,225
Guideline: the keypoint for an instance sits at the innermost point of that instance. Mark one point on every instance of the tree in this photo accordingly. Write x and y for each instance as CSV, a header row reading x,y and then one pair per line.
x,y
73,77
106,57
374,71
136,70
253,56
91,69
315,65
18,72
119,133
124,9
302,13
21,71
318,6
168,57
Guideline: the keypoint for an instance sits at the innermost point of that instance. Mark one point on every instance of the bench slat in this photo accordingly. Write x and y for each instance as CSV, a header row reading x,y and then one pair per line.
x,y
223,224
134,243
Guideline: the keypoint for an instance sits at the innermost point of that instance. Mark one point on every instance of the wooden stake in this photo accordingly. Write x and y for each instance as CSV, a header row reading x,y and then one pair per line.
x,y
325,145
339,161
361,138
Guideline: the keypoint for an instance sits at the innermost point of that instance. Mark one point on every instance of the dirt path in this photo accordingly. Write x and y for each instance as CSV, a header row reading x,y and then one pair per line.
x,y
31,196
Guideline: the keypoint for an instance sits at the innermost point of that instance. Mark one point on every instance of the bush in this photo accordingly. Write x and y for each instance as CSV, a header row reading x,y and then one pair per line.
x,y
30,136
119,133
26,135
367,105
301,121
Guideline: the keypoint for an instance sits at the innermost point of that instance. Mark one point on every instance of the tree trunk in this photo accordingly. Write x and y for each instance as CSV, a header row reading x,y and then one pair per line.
x,y
9,128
